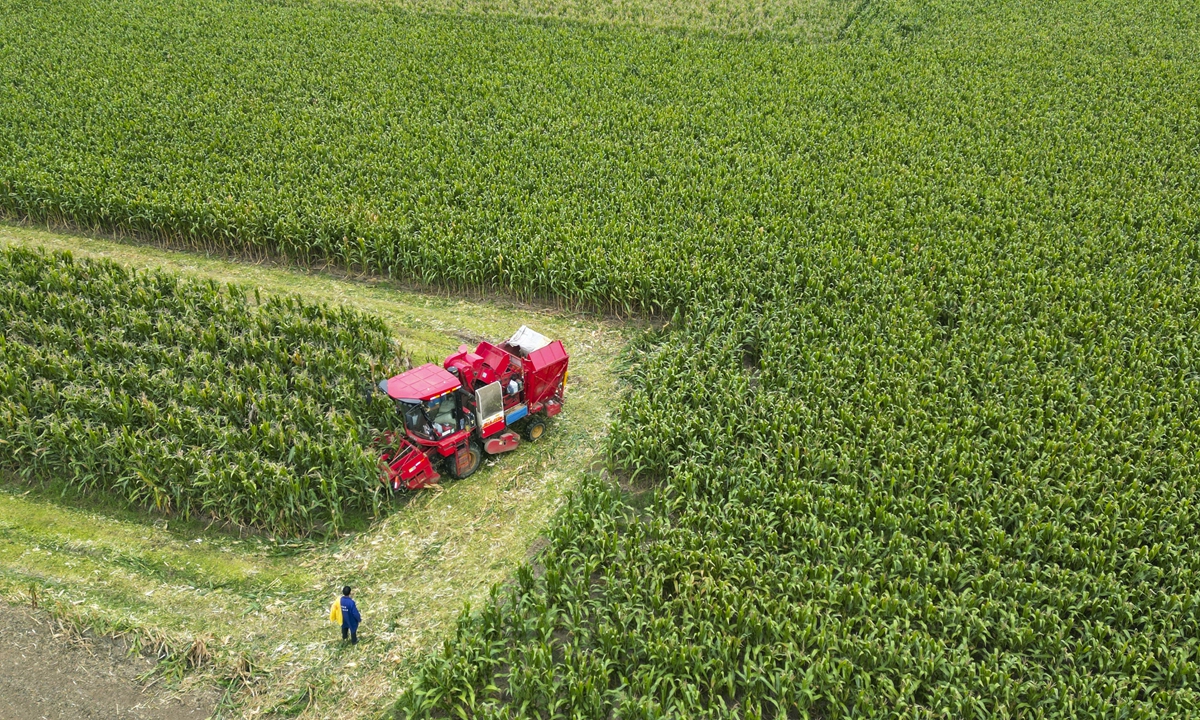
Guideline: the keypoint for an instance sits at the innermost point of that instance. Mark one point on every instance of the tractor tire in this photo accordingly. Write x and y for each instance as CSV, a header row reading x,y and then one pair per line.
x,y
476,457
534,429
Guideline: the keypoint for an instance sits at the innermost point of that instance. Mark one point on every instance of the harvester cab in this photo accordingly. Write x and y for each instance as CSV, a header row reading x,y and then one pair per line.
x,y
481,401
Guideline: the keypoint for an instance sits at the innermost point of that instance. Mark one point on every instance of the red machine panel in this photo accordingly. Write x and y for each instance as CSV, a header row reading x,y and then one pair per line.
x,y
544,370
421,383
501,443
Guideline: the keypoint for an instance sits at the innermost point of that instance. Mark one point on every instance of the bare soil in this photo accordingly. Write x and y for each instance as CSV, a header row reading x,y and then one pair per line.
x,y
47,671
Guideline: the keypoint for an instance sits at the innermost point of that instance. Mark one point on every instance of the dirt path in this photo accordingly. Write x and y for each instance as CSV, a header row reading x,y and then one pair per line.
x,y
48,673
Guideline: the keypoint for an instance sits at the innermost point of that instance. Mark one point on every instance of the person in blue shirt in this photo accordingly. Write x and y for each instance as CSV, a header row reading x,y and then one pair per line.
x,y
350,617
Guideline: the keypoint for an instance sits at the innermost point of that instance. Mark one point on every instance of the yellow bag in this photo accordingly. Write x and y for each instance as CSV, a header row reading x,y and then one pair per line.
x,y
335,612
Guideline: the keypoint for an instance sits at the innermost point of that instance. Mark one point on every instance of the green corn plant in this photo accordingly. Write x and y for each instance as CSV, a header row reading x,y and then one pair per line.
x,y
921,433
221,422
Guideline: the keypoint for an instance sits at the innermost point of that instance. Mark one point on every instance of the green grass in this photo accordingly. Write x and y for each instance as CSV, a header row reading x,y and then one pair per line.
x,y
795,20
267,599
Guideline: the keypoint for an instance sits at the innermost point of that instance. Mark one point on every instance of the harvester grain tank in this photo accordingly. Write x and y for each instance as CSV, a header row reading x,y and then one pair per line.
x,y
481,401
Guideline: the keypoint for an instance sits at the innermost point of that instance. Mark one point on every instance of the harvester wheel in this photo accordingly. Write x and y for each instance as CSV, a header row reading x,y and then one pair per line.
x,y
474,457
534,429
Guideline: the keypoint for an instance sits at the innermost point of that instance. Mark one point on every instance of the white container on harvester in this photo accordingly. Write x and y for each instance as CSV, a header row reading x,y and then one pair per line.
x,y
528,341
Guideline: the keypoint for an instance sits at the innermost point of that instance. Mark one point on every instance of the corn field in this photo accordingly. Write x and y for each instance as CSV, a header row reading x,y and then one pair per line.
x,y
296,130
194,399
921,438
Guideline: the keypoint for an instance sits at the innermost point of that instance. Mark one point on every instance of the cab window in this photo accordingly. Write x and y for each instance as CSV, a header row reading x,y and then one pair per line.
x,y
416,421
433,419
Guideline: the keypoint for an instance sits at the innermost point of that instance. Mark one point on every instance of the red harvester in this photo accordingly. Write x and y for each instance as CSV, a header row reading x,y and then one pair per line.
x,y
476,403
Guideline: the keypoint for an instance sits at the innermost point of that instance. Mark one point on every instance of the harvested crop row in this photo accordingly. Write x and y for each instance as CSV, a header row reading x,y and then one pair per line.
x,y
192,398
795,20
